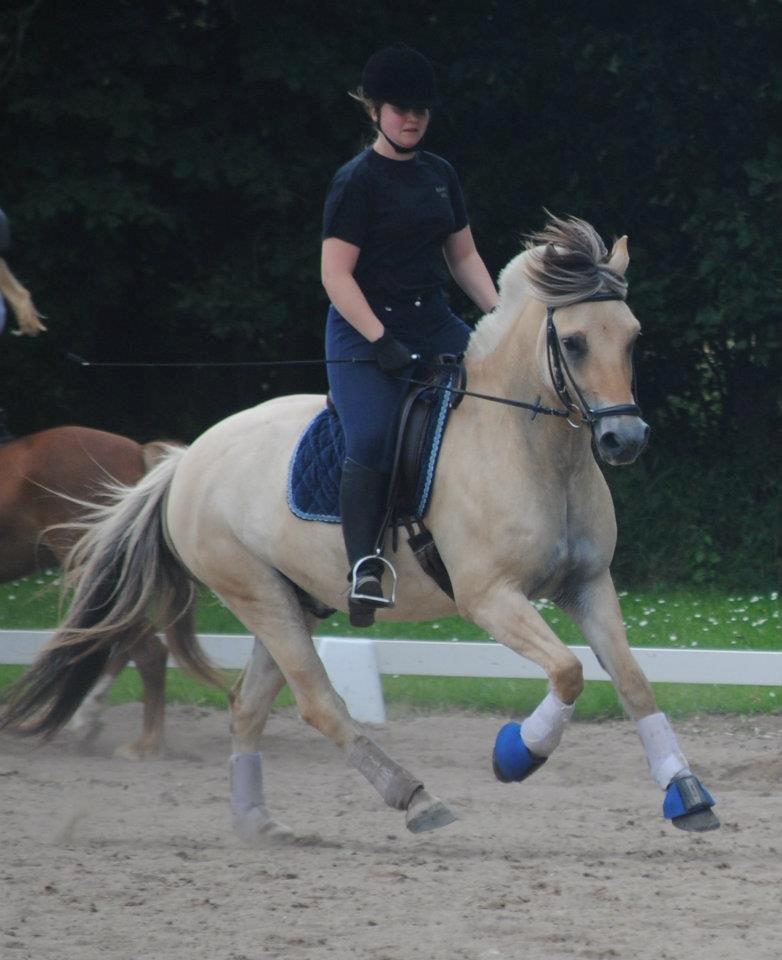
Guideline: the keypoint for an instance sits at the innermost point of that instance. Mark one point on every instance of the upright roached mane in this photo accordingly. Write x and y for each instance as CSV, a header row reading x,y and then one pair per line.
x,y
567,262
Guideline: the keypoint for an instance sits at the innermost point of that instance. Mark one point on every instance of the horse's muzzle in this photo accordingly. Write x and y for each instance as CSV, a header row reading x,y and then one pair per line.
x,y
621,440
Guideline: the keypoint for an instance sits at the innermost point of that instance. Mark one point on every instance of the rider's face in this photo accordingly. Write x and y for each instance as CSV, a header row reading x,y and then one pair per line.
x,y
404,125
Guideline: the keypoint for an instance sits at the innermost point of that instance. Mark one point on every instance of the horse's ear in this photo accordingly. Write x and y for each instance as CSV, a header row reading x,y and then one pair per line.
x,y
619,258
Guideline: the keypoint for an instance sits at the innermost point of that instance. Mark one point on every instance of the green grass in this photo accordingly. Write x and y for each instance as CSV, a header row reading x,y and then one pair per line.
x,y
683,618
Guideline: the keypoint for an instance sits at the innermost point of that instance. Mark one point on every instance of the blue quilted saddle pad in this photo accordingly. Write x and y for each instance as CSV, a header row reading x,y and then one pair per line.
x,y
315,468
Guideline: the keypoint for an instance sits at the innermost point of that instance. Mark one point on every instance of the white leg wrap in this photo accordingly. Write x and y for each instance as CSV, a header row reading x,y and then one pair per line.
x,y
246,782
662,749
251,819
543,729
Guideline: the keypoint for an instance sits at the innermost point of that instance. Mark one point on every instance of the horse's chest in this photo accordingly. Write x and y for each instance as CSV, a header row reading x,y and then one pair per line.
x,y
562,555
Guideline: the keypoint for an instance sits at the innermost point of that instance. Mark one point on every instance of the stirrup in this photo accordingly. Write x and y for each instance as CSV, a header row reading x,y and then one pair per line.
x,y
366,597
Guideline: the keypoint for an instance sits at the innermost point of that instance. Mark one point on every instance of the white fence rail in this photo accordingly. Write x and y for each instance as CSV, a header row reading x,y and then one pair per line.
x,y
355,665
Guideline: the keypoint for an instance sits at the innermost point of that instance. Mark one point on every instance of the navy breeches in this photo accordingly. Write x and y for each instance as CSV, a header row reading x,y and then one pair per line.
x,y
368,400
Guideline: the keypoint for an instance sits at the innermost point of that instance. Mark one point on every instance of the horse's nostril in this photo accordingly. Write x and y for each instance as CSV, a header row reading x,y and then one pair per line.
x,y
624,444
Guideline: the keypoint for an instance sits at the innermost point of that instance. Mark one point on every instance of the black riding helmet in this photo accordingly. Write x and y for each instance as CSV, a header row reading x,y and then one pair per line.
x,y
401,76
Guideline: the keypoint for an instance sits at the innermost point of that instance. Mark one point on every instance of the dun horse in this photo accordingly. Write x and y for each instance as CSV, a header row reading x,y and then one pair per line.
x,y
519,510
45,479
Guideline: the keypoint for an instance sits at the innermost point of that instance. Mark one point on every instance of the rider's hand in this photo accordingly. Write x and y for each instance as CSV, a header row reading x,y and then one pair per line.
x,y
391,355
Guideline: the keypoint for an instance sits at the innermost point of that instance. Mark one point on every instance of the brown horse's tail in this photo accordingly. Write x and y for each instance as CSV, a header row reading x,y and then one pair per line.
x,y
123,576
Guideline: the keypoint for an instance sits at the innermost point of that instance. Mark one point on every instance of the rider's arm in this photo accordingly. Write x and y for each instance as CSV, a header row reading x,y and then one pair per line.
x,y
469,270
338,261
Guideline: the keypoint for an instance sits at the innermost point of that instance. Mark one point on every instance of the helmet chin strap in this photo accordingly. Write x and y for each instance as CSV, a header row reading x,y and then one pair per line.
x,y
397,146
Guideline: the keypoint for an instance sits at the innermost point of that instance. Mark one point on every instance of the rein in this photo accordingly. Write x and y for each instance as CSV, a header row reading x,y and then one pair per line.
x,y
535,407
211,363
561,376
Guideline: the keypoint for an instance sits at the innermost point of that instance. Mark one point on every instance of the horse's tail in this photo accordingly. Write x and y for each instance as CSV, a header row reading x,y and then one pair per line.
x,y
123,576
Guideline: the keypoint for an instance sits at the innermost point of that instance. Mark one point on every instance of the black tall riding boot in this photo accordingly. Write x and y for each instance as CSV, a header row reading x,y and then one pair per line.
x,y
362,504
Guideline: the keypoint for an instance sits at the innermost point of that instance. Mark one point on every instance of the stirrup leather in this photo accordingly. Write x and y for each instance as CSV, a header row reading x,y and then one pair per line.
x,y
365,597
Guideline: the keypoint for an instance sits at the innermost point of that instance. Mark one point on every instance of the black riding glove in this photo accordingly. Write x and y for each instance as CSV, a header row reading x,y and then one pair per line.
x,y
391,355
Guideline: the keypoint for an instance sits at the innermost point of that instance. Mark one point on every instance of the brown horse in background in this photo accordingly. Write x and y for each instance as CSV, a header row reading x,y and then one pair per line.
x,y
44,480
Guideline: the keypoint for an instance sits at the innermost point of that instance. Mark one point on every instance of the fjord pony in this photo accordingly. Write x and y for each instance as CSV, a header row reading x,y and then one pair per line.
x,y
45,480
520,510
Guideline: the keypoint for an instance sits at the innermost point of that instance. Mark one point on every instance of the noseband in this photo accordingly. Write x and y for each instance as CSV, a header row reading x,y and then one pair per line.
x,y
564,380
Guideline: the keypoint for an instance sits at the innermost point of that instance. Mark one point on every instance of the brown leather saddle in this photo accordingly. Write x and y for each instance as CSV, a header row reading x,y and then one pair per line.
x,y
422,421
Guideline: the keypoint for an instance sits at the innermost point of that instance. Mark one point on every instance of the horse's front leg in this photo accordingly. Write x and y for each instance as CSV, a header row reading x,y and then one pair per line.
x,y
512,620
595,608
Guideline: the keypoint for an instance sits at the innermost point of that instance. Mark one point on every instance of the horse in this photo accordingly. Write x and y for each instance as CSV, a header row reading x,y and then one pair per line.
x,y
519,510
45,479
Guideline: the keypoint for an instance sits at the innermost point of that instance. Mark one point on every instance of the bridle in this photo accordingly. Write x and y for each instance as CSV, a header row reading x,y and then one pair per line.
x,y
564,381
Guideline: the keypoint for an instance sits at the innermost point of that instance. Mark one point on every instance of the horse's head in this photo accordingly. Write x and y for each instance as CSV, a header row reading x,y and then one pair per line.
x,y
590,334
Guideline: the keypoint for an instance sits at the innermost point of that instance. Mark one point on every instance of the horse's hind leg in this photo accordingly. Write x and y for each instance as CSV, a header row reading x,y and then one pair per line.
x,y
251,701
287,642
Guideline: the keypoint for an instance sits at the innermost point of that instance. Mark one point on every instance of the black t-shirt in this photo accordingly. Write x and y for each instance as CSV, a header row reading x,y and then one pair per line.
x,y
399,212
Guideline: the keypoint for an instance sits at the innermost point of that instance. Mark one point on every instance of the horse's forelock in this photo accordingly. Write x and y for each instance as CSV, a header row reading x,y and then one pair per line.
x,y
567,261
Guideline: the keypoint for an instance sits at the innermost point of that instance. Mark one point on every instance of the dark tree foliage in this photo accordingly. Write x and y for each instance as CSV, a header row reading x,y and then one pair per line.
x,y
164,168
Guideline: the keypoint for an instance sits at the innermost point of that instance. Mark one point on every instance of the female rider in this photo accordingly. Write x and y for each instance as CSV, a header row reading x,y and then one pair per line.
x,y
394,219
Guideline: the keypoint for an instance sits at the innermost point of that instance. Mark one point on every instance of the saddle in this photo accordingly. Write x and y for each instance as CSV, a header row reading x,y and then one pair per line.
x,y
316,465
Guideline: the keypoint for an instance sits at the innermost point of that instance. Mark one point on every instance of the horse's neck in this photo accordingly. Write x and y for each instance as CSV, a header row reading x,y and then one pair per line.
x,y
507,358
502,353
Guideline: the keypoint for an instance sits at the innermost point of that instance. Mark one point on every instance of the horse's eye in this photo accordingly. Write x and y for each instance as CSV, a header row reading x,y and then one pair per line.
x,y
575,346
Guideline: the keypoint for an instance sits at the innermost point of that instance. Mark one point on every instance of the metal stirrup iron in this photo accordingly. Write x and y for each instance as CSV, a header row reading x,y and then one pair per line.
x,y
368,598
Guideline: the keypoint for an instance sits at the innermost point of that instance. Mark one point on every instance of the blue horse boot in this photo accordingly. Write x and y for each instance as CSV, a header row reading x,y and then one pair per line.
x,y
511,758
688,805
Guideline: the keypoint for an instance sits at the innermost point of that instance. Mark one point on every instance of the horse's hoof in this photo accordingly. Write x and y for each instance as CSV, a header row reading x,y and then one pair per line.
x,y
511,759
257,829
425,812
698,822
688,805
